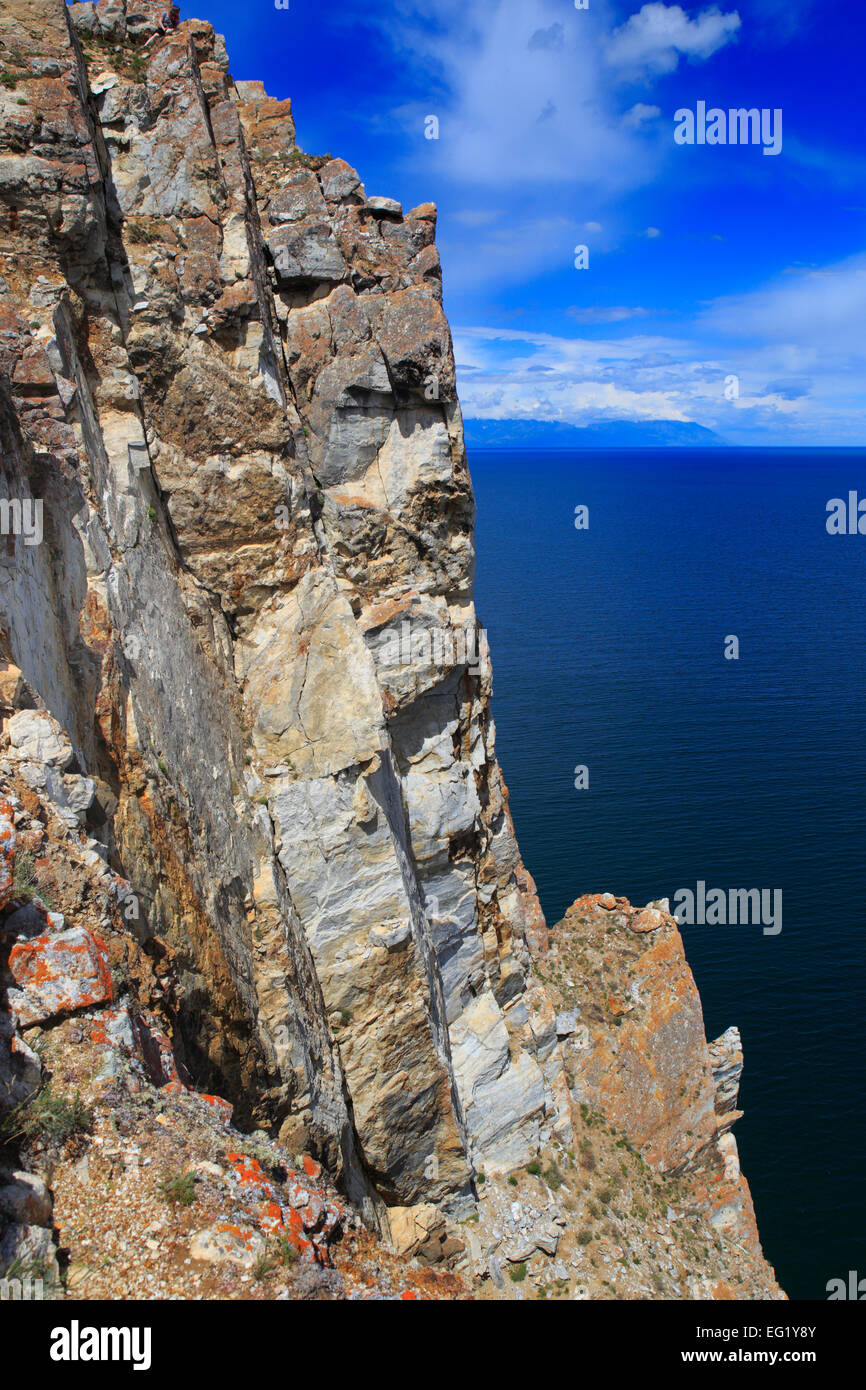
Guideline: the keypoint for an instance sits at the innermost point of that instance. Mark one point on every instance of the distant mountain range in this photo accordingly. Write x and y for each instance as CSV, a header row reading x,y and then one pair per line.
x,y
602,434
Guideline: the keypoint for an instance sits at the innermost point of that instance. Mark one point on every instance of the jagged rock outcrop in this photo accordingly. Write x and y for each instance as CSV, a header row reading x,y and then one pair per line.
x,y
243,683
636,1051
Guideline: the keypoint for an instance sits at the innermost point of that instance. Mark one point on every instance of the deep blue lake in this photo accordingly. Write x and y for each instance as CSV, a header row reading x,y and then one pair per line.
x,y
608,651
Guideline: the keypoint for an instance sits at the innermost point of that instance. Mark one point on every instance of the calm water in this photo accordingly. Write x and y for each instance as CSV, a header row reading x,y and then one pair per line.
x,y
607,649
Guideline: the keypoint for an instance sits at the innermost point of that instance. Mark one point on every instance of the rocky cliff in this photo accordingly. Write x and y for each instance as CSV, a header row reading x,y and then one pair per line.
x,y
263,903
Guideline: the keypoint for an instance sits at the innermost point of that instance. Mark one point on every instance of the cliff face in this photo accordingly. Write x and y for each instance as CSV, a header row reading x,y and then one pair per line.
x,y
248,734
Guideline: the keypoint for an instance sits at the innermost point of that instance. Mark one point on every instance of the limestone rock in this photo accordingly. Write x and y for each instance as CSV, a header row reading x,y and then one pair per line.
x,y
650,919
640,1057
566,1023
384,207
57,974
412,1227
33,737
12,687
726,1060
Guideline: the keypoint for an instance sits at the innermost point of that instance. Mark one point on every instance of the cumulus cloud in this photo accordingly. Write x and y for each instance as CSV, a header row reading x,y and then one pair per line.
x,y
505,68
582,377
654,39
534,121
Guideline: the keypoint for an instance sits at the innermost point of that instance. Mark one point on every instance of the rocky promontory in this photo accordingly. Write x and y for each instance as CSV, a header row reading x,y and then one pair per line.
x,y
280,1015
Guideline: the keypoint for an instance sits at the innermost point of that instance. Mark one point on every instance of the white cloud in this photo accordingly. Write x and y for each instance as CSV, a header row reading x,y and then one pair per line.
x,y
507,252
814,310
533,122
795,345
475,217
522,95
540,125
654,39
582,378
640,114
604,313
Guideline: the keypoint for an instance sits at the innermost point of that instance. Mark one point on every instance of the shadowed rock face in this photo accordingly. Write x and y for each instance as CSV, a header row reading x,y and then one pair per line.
x,y
244,663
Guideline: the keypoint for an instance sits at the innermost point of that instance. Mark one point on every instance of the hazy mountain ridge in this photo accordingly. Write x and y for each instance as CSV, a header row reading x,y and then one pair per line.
x,y
600,434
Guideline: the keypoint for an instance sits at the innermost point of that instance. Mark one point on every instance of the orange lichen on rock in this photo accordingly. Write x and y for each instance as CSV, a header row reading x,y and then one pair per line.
x,y
57,975
7,851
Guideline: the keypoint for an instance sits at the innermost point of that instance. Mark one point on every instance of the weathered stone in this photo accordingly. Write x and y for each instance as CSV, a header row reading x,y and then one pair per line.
x,y
305,252
34,738
26,1199
411,1227
651,919
503,1097
29,920
384,207
340,181
12,687
56,975
566,1022
227,1241
726,1061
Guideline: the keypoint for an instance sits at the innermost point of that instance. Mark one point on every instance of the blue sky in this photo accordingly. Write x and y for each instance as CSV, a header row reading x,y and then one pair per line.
x,y
556,129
